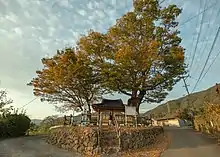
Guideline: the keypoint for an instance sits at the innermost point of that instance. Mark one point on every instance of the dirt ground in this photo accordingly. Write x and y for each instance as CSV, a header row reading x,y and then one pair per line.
x,y
31,146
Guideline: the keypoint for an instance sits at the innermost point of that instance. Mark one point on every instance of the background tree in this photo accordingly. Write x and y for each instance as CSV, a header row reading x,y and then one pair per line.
x,y
52,121
140,55
4,101
185,114
67,78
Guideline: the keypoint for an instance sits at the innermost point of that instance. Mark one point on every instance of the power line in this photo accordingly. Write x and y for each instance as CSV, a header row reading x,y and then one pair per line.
x,y
28,102
211,65
191,18
206,33
197,40
194,35
162,1
207,59
208,29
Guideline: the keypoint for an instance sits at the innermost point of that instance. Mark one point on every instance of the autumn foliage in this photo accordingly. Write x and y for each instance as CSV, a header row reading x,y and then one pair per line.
x,y
66,78
140,56
208,120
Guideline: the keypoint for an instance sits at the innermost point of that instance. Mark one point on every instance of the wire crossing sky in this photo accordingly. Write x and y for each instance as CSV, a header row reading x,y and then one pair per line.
x,y
31,30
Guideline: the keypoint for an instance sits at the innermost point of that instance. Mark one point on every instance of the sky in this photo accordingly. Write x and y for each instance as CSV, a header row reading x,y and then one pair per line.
x,y
33,29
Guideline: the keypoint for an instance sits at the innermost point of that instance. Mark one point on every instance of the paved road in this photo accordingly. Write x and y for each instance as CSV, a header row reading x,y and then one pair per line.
x,y
188,143
32,146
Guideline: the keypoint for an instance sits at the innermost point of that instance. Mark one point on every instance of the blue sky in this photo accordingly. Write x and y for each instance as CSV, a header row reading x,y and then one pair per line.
x,y
32,29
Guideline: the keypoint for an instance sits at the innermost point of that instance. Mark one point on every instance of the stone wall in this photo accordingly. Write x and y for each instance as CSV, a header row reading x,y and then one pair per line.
x,y
85,140
73,138
131,138
138,138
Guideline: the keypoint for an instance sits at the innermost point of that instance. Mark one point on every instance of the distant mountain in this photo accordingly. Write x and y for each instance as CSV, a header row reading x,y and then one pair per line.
x,y
36,121
196,100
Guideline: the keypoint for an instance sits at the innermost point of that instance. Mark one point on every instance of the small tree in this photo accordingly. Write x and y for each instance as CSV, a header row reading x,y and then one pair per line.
x,y
140,56
185,114
67,78
52,121
4,101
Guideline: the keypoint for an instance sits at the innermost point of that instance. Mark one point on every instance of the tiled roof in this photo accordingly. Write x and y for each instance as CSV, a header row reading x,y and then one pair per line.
x,y
108,104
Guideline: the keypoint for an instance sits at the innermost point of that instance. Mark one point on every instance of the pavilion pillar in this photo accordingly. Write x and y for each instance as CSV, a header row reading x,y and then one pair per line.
x,y
99,121
136,121
126,120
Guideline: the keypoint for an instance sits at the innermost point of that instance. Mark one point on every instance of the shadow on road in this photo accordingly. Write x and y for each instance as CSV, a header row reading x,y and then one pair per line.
x,y
25,137
188,138
189,143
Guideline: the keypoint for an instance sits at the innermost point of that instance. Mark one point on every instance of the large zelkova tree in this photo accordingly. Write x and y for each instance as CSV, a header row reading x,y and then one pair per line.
x,y
67,80
140,55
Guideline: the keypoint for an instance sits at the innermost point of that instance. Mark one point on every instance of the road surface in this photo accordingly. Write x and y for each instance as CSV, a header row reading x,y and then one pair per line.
x,y
188,143
32,146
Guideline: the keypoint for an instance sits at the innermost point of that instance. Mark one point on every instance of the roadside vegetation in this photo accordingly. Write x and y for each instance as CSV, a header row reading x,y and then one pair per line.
x,y
44,126
208,120
12,122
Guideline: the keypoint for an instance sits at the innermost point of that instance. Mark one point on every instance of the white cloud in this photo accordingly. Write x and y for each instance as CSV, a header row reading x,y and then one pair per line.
x,y
63,3
18,31
82,12
11,17
31,30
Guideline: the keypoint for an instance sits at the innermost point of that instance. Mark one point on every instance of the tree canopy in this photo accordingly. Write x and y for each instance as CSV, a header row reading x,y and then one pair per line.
x,y
68,79
139,56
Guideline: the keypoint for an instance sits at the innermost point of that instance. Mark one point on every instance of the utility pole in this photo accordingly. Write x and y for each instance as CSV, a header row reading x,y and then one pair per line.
x,y
188,94
185,85
187,90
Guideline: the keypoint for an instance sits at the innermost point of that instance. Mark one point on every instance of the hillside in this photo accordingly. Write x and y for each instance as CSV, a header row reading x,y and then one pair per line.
x,y
196,100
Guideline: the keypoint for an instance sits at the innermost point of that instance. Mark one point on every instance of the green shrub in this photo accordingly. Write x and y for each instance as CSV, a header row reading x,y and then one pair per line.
x,y
38,130
14,125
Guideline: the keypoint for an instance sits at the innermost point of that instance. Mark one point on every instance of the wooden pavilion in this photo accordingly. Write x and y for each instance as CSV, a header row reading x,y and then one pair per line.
x,y
109,106
120,112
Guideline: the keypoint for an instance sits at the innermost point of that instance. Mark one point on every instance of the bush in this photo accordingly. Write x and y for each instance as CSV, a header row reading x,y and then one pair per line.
x,y
14,125
208,120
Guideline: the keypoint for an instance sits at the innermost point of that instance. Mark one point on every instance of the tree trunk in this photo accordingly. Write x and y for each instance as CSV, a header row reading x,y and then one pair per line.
x,y
134,100
134,94
141,97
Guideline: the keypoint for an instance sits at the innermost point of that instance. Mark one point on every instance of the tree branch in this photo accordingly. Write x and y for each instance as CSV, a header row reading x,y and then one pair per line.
x,y
124,92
